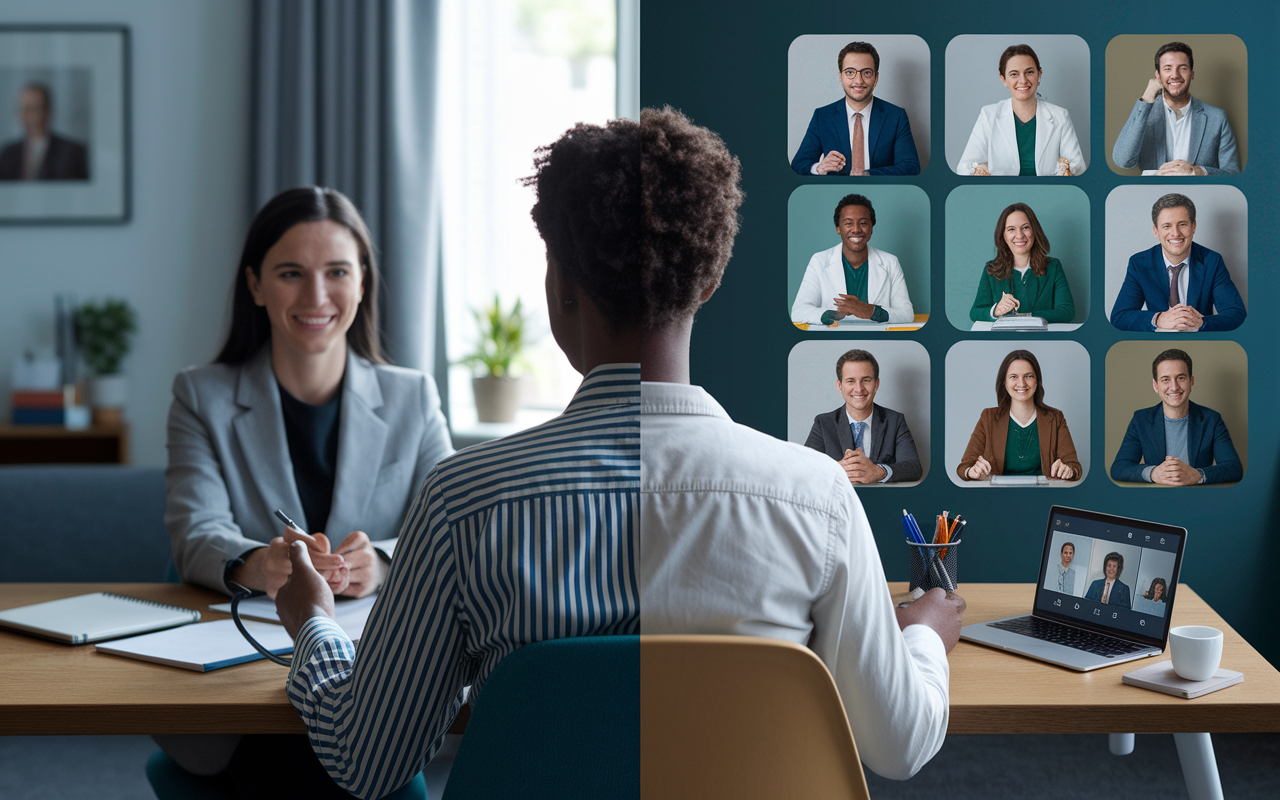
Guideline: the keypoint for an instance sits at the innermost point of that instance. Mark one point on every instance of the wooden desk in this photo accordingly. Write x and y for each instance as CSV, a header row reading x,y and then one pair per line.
x,y
997,692
50,688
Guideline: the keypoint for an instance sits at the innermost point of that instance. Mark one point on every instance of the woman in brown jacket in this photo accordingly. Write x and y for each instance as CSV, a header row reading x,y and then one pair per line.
x,y
1021,435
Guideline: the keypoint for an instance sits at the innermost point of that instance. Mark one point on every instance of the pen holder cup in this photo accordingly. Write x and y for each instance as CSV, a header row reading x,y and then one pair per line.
x,y
935,566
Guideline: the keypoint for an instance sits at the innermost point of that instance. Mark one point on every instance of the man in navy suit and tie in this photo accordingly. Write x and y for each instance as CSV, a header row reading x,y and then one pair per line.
x,y
1110,590
1176,443
1184,286
871,442
858,134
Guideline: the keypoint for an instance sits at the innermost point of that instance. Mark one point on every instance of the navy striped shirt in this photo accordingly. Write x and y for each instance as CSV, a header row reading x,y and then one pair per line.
x,y
531,537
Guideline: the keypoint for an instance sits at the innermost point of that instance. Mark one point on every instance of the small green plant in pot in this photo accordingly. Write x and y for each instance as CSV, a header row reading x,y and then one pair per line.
x,y
499,344
103,333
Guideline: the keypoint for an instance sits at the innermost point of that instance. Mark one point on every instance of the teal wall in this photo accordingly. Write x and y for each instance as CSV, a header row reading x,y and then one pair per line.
x,y
971,217
902,228
725,64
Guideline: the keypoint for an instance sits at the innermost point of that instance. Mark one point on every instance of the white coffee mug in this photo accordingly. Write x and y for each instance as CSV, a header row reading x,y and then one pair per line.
x,y
1196,651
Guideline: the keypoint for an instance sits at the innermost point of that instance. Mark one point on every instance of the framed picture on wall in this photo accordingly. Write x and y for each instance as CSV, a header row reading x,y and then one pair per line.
x,y
64,124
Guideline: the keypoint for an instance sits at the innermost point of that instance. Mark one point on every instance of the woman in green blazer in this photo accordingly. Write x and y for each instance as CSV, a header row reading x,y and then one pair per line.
x,y
1022,277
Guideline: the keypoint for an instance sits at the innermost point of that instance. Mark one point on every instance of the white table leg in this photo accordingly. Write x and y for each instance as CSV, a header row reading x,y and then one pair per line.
x,y
1121,743
1199,767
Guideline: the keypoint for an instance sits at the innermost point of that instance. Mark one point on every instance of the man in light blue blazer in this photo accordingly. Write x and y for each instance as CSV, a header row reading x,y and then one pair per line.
x,y
1177,285
1180,135
1177,442
230,466
881,129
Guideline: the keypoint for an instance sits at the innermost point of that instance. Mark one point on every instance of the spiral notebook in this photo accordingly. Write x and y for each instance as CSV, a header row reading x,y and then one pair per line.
x,y
94,618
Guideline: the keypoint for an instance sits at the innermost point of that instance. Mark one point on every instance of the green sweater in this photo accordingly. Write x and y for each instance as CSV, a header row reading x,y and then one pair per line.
x,y
1048,297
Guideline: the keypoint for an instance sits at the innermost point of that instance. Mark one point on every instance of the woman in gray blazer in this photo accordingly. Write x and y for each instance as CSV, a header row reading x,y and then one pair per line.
x,y
299,412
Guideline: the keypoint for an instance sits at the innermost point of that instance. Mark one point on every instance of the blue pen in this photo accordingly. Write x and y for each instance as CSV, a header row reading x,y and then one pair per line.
x,y
913,528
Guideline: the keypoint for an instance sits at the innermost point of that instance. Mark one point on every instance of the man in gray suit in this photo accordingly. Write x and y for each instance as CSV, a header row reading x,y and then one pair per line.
x,y
871,442
1181,135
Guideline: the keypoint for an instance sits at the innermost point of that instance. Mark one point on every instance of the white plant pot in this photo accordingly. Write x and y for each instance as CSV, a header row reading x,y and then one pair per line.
x,y
108,391
496,398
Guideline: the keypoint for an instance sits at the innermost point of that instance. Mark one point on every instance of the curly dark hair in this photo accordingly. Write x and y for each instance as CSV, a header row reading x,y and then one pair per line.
x,y
854,200
690,199
1001,267
588,212
1116,557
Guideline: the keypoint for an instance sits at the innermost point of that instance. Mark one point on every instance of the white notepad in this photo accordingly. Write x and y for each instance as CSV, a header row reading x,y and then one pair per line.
x,y
204,647
94,618
350,614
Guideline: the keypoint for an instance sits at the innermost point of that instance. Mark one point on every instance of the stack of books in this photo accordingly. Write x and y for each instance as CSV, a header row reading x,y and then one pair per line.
x,y
42,407
48,407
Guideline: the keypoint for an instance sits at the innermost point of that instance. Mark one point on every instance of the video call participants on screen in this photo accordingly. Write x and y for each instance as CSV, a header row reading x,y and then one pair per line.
x,y
1110,562
1176,442
859,134
1023,278
872,443
1177,285
853,280
1170,132
1023,135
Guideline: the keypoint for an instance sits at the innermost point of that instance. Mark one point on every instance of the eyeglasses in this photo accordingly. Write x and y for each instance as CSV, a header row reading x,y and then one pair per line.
x,y
867,74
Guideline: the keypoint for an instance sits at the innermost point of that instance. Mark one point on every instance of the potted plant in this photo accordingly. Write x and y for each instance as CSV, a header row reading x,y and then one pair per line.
x,y
498,348
103,333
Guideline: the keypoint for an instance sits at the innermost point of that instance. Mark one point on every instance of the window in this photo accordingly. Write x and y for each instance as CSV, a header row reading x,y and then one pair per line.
x,y
515,74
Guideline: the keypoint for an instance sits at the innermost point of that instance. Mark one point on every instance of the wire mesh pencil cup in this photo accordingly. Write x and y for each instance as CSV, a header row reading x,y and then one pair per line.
x,y
935,565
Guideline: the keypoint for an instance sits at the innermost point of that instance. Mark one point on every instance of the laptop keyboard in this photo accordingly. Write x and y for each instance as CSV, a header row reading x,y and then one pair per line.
x,y
1088,641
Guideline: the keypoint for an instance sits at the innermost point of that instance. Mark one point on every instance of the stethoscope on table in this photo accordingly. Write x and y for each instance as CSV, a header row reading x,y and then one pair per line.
x,y
242,593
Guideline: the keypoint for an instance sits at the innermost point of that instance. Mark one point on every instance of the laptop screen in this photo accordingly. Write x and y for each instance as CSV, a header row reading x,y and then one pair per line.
x,y
1111,574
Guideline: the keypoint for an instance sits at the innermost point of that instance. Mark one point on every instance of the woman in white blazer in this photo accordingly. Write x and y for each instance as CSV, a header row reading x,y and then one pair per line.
x,y
824,278
994,145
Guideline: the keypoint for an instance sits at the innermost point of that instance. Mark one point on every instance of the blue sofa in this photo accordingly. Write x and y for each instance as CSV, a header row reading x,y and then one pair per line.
x,y
83,523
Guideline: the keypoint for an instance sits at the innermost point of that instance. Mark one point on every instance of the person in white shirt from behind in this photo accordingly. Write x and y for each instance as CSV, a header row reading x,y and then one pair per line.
x,y
742,533
825,298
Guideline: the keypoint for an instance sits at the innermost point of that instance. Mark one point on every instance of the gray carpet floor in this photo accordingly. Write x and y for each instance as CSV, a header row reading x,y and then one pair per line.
x,y
986,767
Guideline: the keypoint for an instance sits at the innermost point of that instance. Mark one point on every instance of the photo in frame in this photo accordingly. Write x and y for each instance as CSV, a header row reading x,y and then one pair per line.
x,y
64,124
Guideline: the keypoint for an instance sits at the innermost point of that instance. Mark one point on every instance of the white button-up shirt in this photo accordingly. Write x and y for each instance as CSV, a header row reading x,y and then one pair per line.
x,y
1177,129
745,534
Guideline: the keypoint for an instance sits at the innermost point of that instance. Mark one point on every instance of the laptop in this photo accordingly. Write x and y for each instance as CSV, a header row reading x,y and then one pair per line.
x,y
1105,593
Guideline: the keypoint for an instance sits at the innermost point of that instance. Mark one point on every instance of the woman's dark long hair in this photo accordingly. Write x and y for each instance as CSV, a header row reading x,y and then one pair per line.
x,y
1151,592
250,328
1001,267
1003,399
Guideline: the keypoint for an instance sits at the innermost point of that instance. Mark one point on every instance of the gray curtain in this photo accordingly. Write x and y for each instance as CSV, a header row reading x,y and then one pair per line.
x,y
344,96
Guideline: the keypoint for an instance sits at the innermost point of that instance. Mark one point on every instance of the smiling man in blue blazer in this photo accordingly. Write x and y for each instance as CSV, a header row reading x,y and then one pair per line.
x,y
880,130
1176,443
1177,285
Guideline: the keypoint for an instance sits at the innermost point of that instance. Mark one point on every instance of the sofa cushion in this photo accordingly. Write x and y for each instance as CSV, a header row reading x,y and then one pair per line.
x,y
83,523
